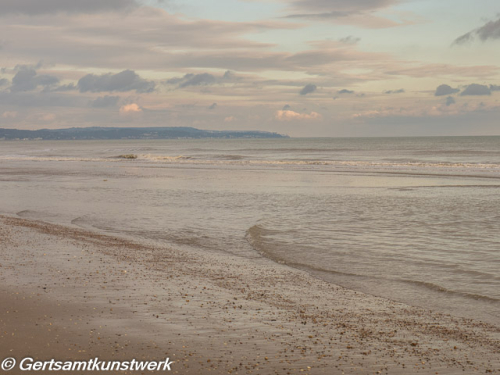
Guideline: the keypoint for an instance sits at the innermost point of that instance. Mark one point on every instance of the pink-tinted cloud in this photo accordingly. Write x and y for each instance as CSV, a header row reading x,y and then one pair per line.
x,y
425,110
361,13
289,115
139,39
130,109
440,70
9,114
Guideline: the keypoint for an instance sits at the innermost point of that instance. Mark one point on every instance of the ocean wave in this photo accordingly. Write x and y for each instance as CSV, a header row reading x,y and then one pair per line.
x,y
164,158
438,288
241,160
53,158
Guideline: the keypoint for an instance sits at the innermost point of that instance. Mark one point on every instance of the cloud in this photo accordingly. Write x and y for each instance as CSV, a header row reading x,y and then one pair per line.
x,y
476,89
46,117
358,12
26,79
228,75
4,82
443,90
105,101
36,99
450,101
449,121
144,38
326,6
127,80
37,7
436,70
308,89
286,107
130,109
201,79
229,119
349,40
410,111
345,91
464,38
9,114
150,39
213,106
490,30
494,88
37,66
291,115
62,88
400,91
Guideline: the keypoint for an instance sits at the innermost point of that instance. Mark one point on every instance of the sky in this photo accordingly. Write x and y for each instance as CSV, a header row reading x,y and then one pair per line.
x,y
306,68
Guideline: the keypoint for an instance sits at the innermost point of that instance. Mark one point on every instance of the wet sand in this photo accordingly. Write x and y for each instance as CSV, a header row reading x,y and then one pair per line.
x,y
68,293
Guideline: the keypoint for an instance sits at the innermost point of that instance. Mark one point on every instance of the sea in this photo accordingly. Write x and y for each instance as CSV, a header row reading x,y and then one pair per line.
x,y
414,220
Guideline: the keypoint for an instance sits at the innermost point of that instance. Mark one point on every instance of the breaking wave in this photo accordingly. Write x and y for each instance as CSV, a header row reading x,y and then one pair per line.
x,y
235,160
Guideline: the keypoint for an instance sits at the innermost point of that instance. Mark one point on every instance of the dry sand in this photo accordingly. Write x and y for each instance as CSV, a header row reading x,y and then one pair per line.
x,y
68,293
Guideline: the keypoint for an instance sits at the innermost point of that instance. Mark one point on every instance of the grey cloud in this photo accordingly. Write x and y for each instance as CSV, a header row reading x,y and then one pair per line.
x,y
127,80
464,38
193,80
326,15
400,91
349,40
476,89
35,99
68,87
343,5
308,89
37,7
345,91
228,75
332,9
494,88
37,66
286,107
202,79
175,81
450,101
491,30
105,101
213,106
26,79
197,80
443,90
4,82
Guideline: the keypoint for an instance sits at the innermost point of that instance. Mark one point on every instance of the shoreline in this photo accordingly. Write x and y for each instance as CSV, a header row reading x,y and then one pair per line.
x,y
213,312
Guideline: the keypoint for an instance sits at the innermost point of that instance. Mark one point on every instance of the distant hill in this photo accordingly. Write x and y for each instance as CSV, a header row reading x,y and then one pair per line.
x,y
130,133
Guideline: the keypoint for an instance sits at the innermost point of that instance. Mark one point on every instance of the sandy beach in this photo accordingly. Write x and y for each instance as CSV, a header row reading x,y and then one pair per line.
x,y
69,293
249,187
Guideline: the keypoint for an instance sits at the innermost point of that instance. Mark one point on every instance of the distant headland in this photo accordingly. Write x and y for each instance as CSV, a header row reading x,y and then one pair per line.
x,y
130,133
